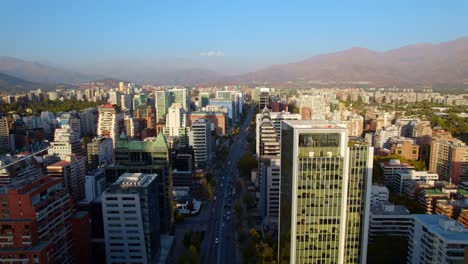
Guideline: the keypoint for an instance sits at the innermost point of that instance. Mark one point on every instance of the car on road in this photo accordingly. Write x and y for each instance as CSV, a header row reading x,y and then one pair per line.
x,y
216,240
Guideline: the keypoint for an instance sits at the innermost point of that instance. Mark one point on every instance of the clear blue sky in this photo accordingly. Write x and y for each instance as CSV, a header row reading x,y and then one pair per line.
x,y
244,32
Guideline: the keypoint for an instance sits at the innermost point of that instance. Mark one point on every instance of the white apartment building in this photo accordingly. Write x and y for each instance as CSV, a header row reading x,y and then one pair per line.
x,y
436,239
200,140
131,219
379,195
404,176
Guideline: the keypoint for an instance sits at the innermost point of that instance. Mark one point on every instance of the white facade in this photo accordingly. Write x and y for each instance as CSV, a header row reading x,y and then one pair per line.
x,y
109,122
404,176
379,195
391,167
277,118
114,97
200,139
131,220
126,102
175,119
436,239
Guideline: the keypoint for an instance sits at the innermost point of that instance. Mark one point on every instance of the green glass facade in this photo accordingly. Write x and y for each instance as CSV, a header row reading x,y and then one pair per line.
x,y
323,195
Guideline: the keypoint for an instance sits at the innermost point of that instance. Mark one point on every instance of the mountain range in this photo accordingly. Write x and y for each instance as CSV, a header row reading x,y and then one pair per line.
x,y
420,64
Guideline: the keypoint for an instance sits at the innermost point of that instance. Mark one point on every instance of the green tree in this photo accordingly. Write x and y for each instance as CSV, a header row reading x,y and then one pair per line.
x,y
245,165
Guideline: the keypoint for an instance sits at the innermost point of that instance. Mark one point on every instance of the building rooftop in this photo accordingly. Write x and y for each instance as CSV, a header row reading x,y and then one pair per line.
x,y
316,124
133,180
444,227
390,209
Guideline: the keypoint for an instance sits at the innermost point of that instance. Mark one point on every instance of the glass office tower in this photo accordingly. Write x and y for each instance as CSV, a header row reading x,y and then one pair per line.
x,y
325,194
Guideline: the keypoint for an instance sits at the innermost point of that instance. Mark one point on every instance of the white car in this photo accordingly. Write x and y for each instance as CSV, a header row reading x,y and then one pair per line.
x,y
216,240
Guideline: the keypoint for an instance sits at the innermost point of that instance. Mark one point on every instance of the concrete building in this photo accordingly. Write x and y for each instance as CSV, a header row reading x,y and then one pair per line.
x,y
99,152
4,136
95,184
200,140
404,147
176,124
150,156
391,167
131,219
183,166
38,229
110,122
66,142
269,184
355,125
114,98
404,176
72,170
268,141
127,102
217,119
325,194
389,220
146,113
437,239
276,118
379,195
449,159
19,168
89,120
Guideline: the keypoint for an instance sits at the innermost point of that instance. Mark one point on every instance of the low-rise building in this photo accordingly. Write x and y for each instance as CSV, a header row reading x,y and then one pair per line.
x,y
391,167
390,220
401,177
379,195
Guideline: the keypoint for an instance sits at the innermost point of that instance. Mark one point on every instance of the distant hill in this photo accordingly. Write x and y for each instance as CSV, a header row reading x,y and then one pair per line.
x,y
415,64
37,72
11,84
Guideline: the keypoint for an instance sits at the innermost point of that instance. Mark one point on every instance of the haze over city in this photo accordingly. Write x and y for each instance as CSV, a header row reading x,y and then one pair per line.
x,y
272,132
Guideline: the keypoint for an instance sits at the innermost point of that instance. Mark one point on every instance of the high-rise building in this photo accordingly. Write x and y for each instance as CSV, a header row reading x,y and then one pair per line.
x,y
99,151
204,99
139,99
217,119
110,122
268,142
72,170
180,96
66,142
150,156
4,136
200,140
276,118
88,119
162,104
35,226
183,166
269,184
114,98
133,127
126,102
264,98
325,194
449,159
147,113
355,125
121,87
437,239
19,168
131,219
176,124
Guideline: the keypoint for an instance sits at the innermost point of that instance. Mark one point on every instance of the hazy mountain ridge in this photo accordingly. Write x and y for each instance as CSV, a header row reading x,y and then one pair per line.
x,y
418,64
446,62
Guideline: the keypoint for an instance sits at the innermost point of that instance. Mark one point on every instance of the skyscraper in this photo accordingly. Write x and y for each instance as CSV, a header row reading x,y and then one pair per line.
x,y
162,104
325,194
66,142
131,219
180,96
176,124
110,122
4,136
150,156
200,139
